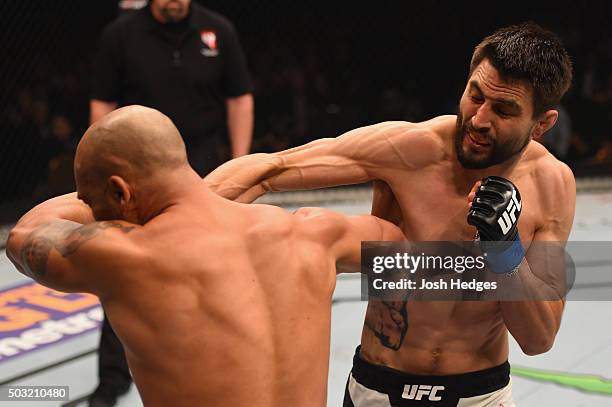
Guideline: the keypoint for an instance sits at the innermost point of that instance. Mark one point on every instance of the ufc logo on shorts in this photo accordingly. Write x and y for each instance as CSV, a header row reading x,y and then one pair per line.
x,y
508,219
417,391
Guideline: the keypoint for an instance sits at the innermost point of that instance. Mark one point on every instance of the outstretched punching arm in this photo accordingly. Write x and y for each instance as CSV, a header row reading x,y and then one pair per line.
x,y
341,235
357,156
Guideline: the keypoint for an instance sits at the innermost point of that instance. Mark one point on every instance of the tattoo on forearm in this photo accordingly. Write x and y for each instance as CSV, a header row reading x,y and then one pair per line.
x,y
65,237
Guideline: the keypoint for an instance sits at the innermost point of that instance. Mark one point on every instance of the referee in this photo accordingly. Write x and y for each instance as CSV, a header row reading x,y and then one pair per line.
x,y
186,61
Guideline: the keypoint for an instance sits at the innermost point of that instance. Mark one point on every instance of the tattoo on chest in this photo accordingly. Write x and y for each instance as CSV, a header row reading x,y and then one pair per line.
x,y
65,237
388,320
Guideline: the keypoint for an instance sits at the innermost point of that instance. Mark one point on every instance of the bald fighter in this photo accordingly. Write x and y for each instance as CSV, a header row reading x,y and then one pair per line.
x,y
216,303
479,174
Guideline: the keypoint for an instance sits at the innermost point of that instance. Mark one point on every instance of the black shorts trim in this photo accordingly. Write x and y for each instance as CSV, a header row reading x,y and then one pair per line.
x,y
393,383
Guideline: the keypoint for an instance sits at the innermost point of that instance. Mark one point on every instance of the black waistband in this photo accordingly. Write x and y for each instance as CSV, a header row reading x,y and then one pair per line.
x,y
404,387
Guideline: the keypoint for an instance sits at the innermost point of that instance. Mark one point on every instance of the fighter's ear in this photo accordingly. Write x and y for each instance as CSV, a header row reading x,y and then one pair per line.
x,y
545,122
119,190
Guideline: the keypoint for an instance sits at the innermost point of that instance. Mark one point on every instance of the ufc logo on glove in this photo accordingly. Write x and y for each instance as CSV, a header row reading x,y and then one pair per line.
x,y
509,218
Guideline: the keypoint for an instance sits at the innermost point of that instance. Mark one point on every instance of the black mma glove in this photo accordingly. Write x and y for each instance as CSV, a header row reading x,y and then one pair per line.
x,y
495,212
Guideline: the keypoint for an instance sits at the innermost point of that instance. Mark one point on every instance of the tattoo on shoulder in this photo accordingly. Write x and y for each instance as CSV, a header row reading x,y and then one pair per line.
x,y
35,253
65,237
76,237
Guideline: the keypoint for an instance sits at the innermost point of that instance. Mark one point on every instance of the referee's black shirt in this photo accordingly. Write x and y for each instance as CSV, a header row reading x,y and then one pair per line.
x,y
186,70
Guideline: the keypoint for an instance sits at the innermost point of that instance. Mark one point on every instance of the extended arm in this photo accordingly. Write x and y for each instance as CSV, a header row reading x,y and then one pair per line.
x,y
341,235
357,229
357,156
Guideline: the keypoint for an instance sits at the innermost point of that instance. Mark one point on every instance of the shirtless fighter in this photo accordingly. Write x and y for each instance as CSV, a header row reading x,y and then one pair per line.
x,y
216,303
449,353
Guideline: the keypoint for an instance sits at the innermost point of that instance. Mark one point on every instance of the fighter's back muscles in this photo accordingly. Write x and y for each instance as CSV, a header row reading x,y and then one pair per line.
x,y
357,156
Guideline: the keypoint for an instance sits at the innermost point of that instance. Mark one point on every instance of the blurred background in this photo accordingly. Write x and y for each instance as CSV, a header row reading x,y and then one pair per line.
x,y
318,68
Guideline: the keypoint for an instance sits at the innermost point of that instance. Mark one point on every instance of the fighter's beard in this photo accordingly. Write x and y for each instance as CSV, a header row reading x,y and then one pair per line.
x,y
498,153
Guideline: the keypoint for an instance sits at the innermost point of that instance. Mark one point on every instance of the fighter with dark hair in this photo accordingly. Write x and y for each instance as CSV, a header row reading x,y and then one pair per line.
x,y
450,178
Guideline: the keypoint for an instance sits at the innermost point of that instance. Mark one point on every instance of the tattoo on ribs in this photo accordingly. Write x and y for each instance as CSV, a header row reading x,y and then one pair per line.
x,y
388,320
65,237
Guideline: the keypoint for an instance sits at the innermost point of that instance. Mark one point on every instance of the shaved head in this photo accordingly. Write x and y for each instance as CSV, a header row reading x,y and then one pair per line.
x,y
132,141
129,149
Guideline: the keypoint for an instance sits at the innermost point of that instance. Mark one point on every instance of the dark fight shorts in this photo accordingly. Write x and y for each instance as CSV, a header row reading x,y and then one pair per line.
x,y
372,385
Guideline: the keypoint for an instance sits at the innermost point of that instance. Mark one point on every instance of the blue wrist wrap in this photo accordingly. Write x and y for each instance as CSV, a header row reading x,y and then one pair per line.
x,y
504,260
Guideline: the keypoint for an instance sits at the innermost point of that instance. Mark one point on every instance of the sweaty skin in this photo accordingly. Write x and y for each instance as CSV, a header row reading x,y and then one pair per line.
x,y
216,303
421,186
